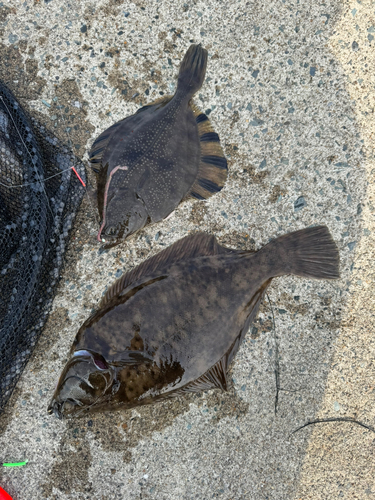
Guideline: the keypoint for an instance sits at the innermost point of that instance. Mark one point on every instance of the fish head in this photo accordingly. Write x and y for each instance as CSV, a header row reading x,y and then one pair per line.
x,y
123,210
86,382
119,222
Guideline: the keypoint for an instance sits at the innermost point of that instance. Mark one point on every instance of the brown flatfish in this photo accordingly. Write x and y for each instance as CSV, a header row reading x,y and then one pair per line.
x,y
174,323
147,163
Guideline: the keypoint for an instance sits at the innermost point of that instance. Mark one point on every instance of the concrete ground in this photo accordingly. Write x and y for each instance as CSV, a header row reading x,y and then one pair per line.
x,y
290,90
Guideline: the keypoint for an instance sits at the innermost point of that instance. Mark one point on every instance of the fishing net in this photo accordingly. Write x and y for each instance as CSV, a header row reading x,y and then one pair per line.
x,y
39,196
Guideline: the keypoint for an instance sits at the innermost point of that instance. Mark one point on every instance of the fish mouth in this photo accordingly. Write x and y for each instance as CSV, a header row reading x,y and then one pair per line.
x,y
55,408
60,409
109,232
111,236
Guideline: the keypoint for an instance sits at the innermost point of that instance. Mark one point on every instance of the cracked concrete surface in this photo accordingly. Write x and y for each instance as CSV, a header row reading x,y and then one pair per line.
x,y
290,90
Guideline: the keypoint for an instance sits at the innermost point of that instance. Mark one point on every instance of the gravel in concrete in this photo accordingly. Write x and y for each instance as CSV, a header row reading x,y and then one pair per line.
x,y
290,90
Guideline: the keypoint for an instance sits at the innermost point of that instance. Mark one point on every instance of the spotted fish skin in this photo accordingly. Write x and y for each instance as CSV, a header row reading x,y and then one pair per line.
x,y
174,323
146,164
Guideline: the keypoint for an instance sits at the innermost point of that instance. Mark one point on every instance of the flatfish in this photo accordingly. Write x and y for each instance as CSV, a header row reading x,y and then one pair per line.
x,y
147,163
174,323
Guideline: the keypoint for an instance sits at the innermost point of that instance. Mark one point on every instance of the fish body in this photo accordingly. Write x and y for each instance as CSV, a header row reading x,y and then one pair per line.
x,y
174,323
146,164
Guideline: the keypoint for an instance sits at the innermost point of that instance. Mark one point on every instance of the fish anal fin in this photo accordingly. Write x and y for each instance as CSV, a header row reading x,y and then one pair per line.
x,y
211,149
213,169
195,245
214,378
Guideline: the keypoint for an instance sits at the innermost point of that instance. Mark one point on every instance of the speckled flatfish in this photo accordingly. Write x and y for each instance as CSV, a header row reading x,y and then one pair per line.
x,y
147,163
174,323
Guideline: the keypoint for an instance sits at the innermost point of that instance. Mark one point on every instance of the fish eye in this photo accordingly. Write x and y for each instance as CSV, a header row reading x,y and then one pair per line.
x,y
98,359
100,362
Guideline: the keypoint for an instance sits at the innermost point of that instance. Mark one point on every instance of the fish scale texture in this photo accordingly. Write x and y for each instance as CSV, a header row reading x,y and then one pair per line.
x,y
35,218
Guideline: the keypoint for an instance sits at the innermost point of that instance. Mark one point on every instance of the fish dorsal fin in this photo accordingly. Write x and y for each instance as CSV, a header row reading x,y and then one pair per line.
x,y
195,245
213,169
99,146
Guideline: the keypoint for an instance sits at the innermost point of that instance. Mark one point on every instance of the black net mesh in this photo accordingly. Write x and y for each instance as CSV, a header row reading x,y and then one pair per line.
x,y
36,214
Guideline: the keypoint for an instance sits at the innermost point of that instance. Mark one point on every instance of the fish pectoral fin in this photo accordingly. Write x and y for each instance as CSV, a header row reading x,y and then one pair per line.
x,y
214,378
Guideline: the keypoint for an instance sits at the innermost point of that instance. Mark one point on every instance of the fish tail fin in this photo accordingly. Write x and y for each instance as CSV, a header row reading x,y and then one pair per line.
x,y
310,253
192,70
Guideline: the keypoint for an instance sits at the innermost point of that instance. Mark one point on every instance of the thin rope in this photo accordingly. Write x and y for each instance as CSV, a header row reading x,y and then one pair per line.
x,y
45,180
277,364
37,173
335,419
71,147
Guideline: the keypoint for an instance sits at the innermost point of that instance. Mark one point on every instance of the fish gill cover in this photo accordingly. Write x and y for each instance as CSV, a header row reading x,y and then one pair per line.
x,y
36,214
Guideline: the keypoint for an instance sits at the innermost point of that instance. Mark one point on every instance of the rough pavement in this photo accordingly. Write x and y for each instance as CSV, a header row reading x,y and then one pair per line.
x,y
290,90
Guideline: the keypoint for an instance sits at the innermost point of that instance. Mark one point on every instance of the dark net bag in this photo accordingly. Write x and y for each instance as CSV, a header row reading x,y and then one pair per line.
x,y
36,214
